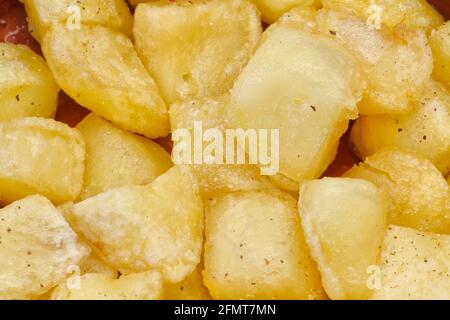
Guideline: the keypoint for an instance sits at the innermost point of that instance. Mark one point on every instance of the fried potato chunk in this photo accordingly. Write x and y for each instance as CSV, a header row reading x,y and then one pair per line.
x,y
255,249
40,156
115,86
95,264
37,247
307,86
271,10
113,14
191,288
158,226
414,265
95,286
426,130
344,222
116,158
418,193
192,48
27,88
440,45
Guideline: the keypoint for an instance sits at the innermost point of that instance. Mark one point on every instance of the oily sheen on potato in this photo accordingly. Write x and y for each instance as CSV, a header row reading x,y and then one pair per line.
x,y
27,88
192,48
255,249
344,222
306,86
40,156
138,228
37,248
115,85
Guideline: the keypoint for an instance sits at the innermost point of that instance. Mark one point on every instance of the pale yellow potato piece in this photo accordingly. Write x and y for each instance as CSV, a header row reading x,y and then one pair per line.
x,y
96,286
418,193
113,14
440,45
413,265
271,10
40,156
37,248
396,63
344,222
191,288
27,88
95,264
426,130
195,48
307,86
158,226
115,85
116,158
255,249
404,13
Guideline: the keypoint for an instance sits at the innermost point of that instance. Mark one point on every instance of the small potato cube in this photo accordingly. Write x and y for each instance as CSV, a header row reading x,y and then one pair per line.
x,y
255,249
40,156
403,13
113,14
37,248
191,288
27,88
195,48
307,86
440,45
418,193
271,10
158,226
426,130
115,86
116,158
413,266
344,222
95,286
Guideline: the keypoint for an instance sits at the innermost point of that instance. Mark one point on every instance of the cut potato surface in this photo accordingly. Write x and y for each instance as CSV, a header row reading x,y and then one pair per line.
x,y
306,86
115,86
116,158
414,265
113,14
40,156
440,45
158,226
37,248
191,288
418,193
95,286
95,264
27,88
344,222
255,249
192,48
271,10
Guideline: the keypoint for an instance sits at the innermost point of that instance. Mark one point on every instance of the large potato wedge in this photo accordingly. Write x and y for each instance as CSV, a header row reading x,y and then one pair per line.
x,y
158,226
37,248
115,86
344,222
195,48
413,265
255,249
40,156
27,88
116,158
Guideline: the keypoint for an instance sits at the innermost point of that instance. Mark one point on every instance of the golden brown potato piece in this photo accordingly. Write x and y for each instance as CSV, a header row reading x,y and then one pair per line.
x,y
116,158
115,85
27,88
37,248
440,45
344,222
426,130
158,226
113,14
307,86
418,193
95,286
40,156
413,265
255,249
191,288
192,48
271,10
